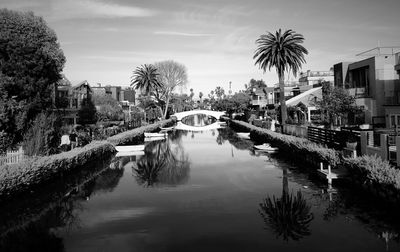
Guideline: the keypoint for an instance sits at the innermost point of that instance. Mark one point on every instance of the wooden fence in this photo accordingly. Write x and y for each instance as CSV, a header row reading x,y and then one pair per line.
x,y
12,157
295,130
333,138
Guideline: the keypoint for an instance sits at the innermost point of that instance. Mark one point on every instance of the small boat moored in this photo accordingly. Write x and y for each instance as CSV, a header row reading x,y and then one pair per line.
x,y
265,147
129,148
243,135
161,134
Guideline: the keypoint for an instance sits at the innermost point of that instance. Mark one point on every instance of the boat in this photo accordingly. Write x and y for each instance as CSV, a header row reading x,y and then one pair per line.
x,y
129,148
244,135
161,134
265,147
129,153
167,128
150,139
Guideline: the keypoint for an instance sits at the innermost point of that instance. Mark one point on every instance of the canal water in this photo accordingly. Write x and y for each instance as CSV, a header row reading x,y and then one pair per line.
x,y
202,191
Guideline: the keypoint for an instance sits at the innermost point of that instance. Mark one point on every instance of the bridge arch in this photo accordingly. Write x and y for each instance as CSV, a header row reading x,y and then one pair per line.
x,y
215,114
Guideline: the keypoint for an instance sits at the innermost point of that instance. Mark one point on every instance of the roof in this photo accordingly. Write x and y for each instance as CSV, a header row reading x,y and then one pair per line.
x,y
305,98
82,83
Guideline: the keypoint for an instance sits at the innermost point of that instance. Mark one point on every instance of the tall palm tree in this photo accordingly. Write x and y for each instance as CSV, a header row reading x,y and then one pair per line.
x,y
284,52
145,79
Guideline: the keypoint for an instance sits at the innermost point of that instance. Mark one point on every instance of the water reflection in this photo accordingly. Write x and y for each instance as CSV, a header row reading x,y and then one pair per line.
x,y
198,120
30,221
164,163
288,216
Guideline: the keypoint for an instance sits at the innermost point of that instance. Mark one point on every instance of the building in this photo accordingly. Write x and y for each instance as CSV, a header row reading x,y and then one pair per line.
x,y
70,97
311,78
374,83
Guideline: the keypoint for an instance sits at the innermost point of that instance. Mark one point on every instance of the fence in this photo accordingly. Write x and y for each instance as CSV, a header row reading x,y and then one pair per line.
x,y
12,157
295,130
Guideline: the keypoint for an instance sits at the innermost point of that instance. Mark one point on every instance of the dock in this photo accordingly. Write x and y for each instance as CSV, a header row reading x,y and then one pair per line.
x,y
330,174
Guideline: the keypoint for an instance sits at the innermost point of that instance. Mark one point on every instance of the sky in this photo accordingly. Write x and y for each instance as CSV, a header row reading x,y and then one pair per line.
x,y
105,40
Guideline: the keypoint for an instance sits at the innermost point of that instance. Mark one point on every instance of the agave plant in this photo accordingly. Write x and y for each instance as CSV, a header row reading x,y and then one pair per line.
x,y
288,216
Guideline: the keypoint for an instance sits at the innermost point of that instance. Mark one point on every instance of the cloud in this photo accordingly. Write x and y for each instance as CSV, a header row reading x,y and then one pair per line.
x,y
113,10
185,34
96,9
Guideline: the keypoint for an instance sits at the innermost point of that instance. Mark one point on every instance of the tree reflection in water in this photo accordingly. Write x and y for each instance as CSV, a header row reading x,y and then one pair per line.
x,y
29,223
162,164
288,216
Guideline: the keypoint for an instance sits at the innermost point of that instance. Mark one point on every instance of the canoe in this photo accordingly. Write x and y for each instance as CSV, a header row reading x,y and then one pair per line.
x,y
265,147
129,153
148,134
129,148
244,135
167,129
150,139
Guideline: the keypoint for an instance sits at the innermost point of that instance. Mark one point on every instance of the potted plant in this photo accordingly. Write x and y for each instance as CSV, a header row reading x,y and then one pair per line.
x,y
351,141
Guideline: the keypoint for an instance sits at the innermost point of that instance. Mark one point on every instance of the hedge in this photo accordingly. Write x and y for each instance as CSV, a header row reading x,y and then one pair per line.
x,y
302,148
370,172
17,178
137,135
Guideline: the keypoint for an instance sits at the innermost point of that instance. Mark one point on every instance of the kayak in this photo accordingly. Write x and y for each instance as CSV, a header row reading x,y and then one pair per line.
x,y
148,134
129,148
266,148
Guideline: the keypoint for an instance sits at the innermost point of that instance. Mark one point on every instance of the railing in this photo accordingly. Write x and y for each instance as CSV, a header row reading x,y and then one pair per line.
x,y
333,138
295,130
12,157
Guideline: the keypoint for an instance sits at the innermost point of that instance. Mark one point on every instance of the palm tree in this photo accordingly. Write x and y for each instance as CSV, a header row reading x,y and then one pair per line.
x,y
145,79
284,52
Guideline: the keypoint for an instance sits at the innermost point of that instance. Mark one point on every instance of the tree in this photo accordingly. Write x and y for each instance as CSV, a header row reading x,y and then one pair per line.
x,y
336,103
145,78
108,108
87,112
171,75
219,92
284,52
30,65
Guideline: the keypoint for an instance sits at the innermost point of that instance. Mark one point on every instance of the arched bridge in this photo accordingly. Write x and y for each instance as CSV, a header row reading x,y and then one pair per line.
x,y
215,114
182,126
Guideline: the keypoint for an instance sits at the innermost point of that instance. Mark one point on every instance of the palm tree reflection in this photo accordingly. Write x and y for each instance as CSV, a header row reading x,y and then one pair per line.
x,y
288,216
162,164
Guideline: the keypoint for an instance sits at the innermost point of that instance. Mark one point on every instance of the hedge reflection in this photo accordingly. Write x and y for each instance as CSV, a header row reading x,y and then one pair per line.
x,y
162,164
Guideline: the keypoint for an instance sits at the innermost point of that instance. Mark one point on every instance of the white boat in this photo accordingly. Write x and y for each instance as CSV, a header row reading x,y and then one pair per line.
x,y
265,147
167,128
129,153
150,139
244,135
162,134
129,148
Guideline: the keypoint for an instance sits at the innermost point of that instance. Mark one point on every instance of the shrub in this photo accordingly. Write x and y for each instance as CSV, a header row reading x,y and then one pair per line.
x,y
300,146
43,137
373,170
33,171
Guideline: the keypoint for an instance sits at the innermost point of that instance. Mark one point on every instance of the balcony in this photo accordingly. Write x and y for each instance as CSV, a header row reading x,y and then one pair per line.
x,y
358,92
262,102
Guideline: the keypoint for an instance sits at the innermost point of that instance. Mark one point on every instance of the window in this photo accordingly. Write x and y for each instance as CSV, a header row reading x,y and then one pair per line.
x,y
394,120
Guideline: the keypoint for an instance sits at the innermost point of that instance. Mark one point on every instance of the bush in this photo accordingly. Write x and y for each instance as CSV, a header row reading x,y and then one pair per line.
x,y
373,170
33,171
299,146
43,137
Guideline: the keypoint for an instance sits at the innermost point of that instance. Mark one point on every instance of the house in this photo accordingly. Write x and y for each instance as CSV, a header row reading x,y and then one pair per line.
x,y
306,100
397,63
374,83
69,99
310,78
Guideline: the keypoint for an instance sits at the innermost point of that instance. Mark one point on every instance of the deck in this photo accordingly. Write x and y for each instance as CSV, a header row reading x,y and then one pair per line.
x,y
330,175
